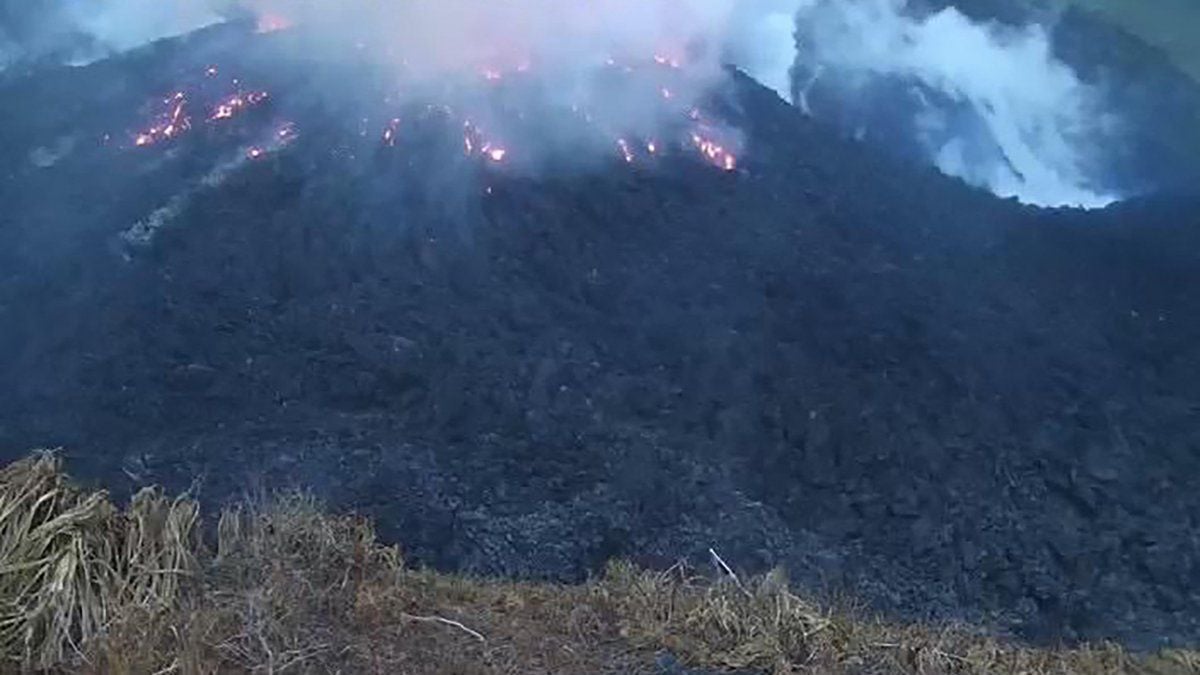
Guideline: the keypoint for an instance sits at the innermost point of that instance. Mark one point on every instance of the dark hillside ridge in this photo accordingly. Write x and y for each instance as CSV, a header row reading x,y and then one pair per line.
x,y
949,404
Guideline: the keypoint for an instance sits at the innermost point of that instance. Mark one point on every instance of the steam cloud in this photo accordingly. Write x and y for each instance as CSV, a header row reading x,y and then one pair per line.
x,y
444,45
988,103
436,51
431,37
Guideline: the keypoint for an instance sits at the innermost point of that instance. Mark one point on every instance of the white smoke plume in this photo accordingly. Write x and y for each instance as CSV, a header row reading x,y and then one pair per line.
x,y
434,37
1005,115
1008,115
631,69
439,36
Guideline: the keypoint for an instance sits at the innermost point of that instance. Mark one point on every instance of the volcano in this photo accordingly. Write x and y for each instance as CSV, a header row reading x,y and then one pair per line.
x,y
747,333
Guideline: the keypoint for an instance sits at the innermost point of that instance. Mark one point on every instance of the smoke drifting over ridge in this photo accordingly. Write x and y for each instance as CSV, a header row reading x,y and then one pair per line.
x,y
986,103
629,68
616,75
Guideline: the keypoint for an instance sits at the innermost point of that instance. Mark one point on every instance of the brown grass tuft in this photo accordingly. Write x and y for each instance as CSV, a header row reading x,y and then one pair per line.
x,y
291,589
70,563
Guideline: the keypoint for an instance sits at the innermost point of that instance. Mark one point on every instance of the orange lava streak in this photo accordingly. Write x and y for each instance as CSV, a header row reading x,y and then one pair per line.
x,y
236,104
716,155
174,122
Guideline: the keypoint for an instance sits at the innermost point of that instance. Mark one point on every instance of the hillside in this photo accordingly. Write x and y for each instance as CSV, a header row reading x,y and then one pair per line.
x,y
1170,25
893,386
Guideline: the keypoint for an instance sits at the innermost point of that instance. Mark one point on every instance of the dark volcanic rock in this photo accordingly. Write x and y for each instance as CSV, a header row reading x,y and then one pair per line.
x,y
875,376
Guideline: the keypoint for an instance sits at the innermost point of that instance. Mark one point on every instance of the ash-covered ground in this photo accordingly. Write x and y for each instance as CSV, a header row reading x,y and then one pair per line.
x,y
950,405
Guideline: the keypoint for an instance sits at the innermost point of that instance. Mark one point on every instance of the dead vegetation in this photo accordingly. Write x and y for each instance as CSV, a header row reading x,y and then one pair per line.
x,y
285,588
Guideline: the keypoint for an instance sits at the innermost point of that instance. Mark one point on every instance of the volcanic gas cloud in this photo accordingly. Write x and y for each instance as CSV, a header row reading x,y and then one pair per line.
x,y
524,83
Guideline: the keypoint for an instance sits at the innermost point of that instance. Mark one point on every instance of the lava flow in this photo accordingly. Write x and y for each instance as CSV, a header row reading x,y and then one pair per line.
x,y
175,120
714,152
236,103
172,123
475,142
511,100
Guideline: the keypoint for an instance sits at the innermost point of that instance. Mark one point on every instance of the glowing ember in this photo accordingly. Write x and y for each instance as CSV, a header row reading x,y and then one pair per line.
x,y
236,104
706,137
474,138
716,155
494,154
286,133
269,23
469,136
172,123
666,61
625,151
389,133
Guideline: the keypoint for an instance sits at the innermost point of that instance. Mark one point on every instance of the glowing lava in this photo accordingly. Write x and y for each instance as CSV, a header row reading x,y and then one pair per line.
x,y
286,133
667,61
389,132
714,152
474,138
689,132
174,120
236,103
494,154
172,123
626,152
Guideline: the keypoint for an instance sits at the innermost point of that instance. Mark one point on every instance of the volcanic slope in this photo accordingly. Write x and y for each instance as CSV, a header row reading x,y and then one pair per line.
x,y
947,404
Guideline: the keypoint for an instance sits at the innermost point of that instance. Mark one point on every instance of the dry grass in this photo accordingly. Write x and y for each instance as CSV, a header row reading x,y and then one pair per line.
x,y
290,589
70,563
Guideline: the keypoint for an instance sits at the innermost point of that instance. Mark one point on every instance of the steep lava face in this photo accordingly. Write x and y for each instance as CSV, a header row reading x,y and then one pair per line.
x,y
759,338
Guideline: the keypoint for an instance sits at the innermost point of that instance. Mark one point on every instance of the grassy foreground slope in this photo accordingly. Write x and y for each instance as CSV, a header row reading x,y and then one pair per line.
x,y
1170,25
281,586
